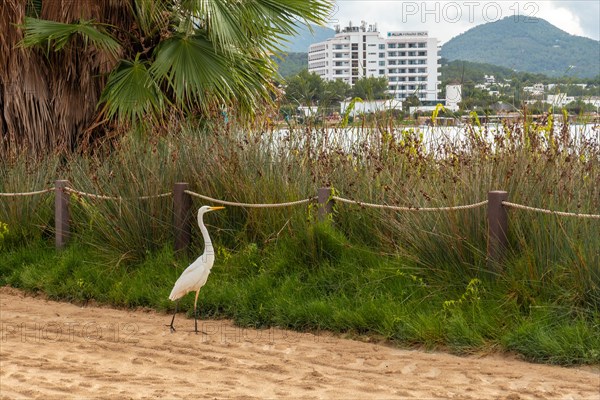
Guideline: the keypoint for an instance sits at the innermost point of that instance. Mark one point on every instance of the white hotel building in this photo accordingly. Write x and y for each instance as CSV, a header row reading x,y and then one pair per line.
x,y
409,60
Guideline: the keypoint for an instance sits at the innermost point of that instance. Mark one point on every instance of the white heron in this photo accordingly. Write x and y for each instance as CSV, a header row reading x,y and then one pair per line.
x,y
195,276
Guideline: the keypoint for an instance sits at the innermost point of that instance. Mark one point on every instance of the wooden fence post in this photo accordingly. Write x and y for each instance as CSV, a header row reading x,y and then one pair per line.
x,y
182,204
325,207
61,213
497,228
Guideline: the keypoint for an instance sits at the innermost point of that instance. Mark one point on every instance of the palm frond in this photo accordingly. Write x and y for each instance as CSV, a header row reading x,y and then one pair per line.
x,y
152,16
191,67
56,35
221,20
254,24
131,93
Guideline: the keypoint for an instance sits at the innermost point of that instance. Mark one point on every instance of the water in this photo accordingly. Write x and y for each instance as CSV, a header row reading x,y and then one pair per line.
x,y
433,138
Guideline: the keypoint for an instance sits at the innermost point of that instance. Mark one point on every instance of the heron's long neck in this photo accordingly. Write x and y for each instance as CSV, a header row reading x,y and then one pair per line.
x,y
208,247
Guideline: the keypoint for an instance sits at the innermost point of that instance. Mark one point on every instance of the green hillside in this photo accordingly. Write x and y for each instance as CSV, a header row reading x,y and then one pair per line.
x,y
529,45
299,43
292,63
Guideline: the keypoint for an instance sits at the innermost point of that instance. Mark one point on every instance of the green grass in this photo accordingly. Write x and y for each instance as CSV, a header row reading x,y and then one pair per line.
x,y
319,280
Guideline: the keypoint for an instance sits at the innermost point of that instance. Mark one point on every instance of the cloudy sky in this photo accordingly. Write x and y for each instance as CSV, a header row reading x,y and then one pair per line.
x,y
446,19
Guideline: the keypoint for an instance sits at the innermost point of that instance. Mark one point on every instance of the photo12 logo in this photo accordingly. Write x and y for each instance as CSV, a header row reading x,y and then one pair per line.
x,y
68,332
454,11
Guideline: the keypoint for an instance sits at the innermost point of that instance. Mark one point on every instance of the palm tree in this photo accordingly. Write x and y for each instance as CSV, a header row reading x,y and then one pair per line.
x,y
76,70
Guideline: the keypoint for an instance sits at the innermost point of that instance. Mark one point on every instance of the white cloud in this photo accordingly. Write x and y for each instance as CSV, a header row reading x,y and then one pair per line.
x,y
446,19
563,19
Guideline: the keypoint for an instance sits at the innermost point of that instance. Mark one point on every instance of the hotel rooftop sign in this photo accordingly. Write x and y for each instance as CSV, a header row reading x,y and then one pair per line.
x,y
417,33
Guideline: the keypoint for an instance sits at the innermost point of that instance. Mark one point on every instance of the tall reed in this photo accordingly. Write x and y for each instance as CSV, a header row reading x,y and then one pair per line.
x,y
539,164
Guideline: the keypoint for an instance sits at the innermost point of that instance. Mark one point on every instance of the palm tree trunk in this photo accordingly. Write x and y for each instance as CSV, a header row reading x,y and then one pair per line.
x,y
47,102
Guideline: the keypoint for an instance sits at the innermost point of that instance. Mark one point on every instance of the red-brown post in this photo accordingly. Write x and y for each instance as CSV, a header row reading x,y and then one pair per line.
x,y
497,228
182,204
61,213
325,203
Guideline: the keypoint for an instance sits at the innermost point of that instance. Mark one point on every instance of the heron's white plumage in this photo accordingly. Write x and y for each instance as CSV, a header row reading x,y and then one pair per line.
x,y
193,278
196,275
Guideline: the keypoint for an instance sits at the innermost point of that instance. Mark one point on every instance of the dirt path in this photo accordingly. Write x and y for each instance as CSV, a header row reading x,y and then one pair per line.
x,y
61,350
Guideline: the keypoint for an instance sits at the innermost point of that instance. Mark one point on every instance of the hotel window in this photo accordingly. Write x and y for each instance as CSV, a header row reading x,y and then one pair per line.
x,y
381,63
391,45
422,53
381,55
382,47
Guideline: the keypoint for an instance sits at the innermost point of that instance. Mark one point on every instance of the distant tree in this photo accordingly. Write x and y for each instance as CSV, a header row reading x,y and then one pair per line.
x,y
334,92
304,88
371,88
579,107
410,101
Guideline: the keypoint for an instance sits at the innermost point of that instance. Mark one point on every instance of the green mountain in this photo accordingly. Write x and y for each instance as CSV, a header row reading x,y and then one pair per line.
x,y
473,72
527,44
291,63
300,42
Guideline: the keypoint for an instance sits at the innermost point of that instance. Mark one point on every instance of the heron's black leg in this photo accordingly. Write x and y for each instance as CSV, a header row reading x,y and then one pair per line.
x,y
173,319
196,312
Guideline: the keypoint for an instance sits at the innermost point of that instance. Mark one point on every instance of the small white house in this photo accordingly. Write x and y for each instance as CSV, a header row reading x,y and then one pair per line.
x,y
559,100
371,106
308,111
593,100
453,97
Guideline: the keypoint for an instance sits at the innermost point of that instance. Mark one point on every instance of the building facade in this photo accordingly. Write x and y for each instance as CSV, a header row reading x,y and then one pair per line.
x,y
409,60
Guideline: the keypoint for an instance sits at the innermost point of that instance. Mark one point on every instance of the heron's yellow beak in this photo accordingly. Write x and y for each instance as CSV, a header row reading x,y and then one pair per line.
x,y
216,208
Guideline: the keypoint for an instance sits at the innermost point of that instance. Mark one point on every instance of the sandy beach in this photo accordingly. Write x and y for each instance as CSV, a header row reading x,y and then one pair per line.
x,y
60,350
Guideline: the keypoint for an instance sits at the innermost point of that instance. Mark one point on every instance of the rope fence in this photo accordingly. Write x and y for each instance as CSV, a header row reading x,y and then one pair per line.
x,y
103,197
497,217
27,193
251,205
541,210
396,208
